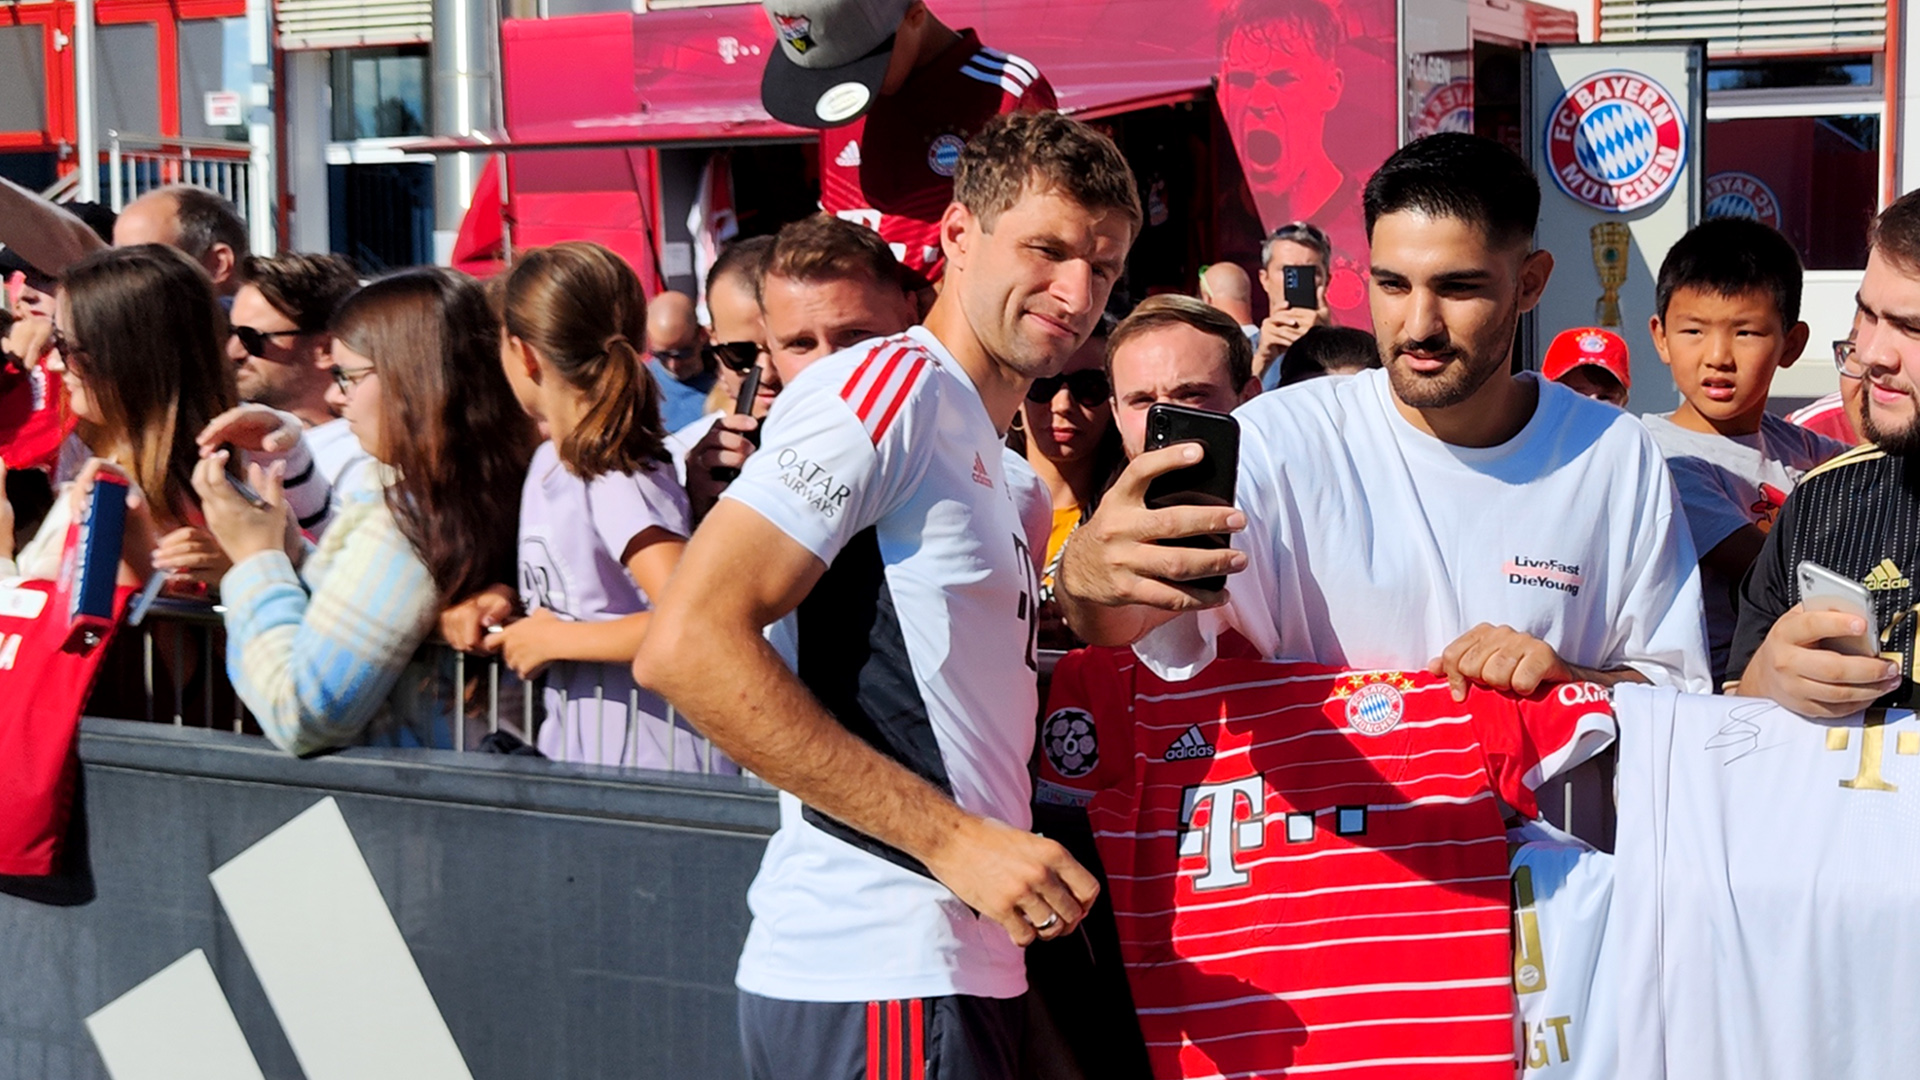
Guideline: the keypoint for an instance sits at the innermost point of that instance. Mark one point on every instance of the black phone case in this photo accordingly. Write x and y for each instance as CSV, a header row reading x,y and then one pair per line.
x,y
743,406
1299,286
1211,482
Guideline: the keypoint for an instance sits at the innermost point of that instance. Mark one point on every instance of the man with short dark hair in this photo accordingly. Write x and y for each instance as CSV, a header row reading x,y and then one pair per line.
x,y
892,904
1180,351
1441,513
280,346
1856,515
194,220
824,284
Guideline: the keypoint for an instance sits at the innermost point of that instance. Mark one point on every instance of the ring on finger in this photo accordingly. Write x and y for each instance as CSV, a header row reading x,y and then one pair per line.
x,y
1052,919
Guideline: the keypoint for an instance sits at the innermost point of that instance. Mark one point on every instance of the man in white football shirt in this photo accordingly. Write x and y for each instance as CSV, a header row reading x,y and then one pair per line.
x,y
890,906
1438,513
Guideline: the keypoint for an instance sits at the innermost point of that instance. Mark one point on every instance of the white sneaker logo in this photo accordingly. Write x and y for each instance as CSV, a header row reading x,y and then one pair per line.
x,y
1191,744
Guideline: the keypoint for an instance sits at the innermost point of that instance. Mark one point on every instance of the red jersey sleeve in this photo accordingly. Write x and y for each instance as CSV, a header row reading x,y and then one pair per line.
x,y
1038,98
1086,737
1528,741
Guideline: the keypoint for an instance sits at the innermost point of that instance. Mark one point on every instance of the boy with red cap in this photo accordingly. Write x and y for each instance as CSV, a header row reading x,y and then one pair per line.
x,y
896,93
1590,362
1727,306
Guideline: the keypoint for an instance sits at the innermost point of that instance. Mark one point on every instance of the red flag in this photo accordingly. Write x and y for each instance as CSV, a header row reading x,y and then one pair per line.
x,y
43,686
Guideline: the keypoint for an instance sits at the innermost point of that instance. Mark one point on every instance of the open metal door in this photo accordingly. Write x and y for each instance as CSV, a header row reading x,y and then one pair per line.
x,y
1618,146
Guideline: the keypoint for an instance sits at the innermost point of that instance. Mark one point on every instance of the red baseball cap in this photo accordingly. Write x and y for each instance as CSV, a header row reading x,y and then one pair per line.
x,y
1603,349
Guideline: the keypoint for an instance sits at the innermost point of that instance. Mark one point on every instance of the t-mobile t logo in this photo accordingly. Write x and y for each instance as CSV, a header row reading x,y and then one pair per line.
x,y
1236,822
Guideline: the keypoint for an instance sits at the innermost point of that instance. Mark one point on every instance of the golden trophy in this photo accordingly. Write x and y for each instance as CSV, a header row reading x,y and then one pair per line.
x,y
1610,242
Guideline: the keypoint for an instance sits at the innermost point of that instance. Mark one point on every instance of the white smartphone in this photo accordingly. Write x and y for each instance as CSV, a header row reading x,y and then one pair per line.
x,y
1823,590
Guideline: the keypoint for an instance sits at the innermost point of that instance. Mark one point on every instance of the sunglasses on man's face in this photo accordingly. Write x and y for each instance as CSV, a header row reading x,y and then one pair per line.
x,y
1089,387
255,341
738,356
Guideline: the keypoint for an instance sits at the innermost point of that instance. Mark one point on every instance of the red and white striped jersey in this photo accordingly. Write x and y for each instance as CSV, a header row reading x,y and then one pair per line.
x,y
1308,866
892,169
882,461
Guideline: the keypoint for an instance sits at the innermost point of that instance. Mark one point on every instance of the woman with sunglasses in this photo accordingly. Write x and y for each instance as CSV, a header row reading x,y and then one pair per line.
x,y
1067,433
603,518
139,341
318,637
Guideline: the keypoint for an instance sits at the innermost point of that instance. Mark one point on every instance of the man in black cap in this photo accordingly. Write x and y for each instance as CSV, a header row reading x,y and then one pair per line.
x,y
898,93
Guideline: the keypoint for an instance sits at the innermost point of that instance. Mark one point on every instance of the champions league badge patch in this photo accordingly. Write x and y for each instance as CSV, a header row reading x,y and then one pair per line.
x,y
795,30
1069,742
1742,195
1616,141
1375,703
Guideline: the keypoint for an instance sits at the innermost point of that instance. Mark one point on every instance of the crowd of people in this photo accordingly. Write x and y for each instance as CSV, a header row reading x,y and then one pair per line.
x,y
830,515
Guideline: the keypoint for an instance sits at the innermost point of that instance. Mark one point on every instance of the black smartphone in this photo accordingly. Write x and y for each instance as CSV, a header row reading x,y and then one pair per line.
x,y
237,476
742,406
1300,285
1211,482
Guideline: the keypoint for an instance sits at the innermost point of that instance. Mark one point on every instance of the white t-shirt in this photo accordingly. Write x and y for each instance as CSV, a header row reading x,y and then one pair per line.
x,y
1374,545
1563,973
1034,502
1765,890
920,637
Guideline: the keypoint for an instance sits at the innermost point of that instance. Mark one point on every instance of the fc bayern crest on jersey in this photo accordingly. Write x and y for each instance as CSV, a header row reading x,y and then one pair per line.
x,y
943,155
1376,708
1447,107
1070,744
1616,141
1742,195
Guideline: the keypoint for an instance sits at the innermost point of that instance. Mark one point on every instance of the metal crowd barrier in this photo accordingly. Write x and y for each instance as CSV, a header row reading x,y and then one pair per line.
x,y
471,698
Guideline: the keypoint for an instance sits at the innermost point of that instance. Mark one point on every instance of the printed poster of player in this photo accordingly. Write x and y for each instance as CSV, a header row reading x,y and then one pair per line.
x,y
1308,95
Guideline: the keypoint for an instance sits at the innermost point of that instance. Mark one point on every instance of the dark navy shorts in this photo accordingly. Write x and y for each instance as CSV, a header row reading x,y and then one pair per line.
x,y
945,1038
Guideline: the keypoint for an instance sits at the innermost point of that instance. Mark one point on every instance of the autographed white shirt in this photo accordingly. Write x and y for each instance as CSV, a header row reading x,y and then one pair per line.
x,y
1372,544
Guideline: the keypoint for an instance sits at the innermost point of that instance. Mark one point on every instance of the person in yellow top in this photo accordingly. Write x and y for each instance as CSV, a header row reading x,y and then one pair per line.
x,y
1066,425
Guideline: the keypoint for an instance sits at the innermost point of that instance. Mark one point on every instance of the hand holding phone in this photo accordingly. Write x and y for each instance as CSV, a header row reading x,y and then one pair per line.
x,y
1823,590
1209,482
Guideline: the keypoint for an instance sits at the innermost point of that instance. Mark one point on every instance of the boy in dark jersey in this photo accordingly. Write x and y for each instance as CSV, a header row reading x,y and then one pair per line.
x,y
897,94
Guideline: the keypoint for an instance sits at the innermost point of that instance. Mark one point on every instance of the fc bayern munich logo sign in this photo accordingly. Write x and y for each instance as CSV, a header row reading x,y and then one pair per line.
x,y
1447,107
1375,709
1742,195
1616,141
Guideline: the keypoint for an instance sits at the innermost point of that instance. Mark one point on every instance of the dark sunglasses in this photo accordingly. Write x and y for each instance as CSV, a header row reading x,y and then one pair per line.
x,y
739,356
1088,386
255,341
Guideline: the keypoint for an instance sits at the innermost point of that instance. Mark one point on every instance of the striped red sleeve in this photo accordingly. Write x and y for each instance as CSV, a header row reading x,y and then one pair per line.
x,y
883,382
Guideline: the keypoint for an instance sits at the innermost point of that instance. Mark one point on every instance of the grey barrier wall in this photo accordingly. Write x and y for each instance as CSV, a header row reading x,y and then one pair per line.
x,y
570,921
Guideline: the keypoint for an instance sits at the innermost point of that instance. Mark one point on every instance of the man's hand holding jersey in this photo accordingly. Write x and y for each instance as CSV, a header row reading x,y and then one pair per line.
x,y
704,652
1117,582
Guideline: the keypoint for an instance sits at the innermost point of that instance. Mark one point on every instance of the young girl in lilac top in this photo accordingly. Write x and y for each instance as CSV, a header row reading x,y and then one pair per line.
x,y
602,520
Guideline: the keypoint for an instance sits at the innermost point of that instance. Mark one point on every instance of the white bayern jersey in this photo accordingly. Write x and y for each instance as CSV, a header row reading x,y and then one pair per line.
x,y
1766,909
1563,975
882,461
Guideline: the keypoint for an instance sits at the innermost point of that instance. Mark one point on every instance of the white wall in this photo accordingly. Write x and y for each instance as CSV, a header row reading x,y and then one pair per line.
x,y
309,120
